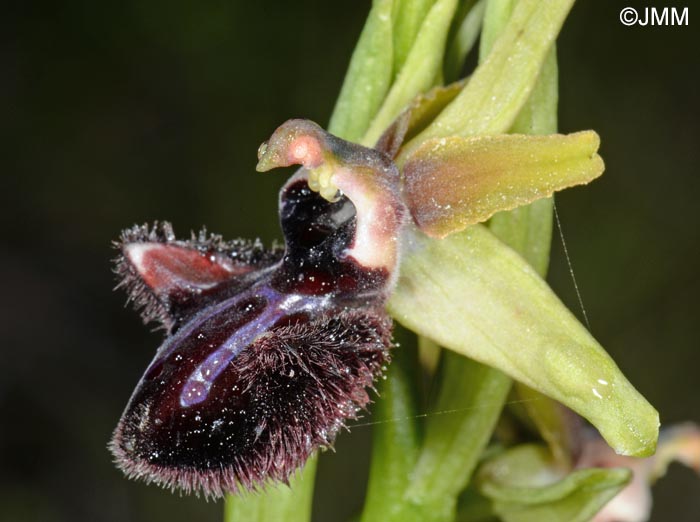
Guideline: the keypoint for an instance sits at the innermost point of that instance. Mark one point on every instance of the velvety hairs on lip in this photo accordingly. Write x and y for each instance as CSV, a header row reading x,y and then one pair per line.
x,y
268,352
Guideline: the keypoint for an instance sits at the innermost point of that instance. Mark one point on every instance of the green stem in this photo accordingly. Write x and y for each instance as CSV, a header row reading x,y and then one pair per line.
x,y
366,83
470,400
471,395
447,462
395,438
408,19
277,502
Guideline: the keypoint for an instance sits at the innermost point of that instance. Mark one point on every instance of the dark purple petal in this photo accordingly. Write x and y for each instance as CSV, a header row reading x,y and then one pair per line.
x,y
169,279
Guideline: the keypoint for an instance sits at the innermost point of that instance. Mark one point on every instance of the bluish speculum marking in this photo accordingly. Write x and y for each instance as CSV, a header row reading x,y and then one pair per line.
x,y
277,306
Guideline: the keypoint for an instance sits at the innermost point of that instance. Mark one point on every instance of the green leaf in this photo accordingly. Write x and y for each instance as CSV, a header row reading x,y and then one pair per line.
x,y
408,19
369,75
501,85
524,487
277,502
418,74
465,31
472,294
455,182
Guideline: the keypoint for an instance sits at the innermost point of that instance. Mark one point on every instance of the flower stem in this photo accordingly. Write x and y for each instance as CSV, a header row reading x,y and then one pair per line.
x,y
278,502
395,438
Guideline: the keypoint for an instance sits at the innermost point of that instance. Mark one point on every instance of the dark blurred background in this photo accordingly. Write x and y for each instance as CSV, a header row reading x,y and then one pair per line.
x,y
114,113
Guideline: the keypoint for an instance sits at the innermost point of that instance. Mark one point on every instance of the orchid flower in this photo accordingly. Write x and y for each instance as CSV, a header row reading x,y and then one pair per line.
x,y
426,201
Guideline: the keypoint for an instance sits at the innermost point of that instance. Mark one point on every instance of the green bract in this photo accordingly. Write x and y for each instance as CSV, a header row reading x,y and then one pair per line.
x,y
523,487
422,66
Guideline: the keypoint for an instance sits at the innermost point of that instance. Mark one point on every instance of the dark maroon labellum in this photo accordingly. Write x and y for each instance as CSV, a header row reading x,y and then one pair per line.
x,y
268,352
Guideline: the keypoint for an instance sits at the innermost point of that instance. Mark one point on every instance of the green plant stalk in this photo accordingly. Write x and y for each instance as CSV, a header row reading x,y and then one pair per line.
x,y
470,400
454,441
395,438
277,502
395,446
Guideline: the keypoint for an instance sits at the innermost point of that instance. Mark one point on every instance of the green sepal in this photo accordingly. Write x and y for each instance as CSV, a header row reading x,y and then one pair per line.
x,y
455,182
474,295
